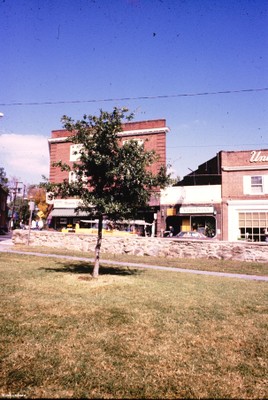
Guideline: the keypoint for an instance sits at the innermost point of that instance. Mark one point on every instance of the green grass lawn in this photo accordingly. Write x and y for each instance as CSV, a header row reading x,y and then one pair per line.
x,y
230,266
129,334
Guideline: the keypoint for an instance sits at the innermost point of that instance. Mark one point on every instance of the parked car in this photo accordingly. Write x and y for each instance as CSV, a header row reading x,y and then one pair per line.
x,y
191,235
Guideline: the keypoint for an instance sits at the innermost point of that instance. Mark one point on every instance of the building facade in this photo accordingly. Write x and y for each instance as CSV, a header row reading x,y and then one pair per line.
x,y
151,133
188,208
244,194
227,195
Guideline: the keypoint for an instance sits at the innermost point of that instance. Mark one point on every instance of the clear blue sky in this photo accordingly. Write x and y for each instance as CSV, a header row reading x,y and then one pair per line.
x,y
83,50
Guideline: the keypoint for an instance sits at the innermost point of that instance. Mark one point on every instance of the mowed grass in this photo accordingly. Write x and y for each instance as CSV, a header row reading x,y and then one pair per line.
x,y
129,334
230,266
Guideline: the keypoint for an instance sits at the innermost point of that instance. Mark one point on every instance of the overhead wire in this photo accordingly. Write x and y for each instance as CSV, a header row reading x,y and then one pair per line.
x,y
218,145
168,96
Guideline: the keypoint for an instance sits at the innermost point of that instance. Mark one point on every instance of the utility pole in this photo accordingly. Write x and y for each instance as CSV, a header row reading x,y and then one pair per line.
x,y
14,202
31,206
16,191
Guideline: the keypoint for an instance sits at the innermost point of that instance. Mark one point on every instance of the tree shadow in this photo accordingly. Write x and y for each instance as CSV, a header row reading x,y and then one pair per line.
x,y
87,268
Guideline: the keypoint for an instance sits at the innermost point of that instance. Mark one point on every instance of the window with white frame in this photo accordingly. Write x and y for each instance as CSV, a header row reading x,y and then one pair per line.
x,y
75,152
72,177
255,184
252,225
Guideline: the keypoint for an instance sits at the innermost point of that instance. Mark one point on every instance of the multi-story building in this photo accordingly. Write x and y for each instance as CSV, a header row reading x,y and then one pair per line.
x,y
152,133
228,194
245,194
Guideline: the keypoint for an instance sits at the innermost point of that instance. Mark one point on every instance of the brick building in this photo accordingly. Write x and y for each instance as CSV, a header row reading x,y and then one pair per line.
x,y
244,194
228,192
152,133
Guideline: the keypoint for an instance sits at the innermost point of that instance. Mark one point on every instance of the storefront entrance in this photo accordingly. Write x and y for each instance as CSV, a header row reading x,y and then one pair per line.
x,y
205,224
201,223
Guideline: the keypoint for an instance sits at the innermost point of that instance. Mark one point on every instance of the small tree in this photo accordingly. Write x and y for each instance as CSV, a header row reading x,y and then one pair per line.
x,y
112,180
37,193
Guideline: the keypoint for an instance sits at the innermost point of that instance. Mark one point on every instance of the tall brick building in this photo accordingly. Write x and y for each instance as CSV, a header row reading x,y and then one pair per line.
x,y
152,133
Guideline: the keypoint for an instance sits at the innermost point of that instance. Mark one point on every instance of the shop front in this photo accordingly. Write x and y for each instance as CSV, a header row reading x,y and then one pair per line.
x,y
65,217
192,208
64,214
198,218
227,196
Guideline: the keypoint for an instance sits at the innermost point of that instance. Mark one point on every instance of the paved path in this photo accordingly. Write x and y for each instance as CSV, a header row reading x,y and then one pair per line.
x,y
6,246
6,239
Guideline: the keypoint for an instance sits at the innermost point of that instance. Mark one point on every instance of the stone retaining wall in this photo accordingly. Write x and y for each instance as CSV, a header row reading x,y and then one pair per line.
x,y
147,246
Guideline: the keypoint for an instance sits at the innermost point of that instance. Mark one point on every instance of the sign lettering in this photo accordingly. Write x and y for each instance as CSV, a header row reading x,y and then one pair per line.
x,y
257,157
196,210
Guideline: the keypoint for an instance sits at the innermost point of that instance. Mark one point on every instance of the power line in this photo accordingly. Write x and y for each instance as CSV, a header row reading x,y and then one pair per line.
x,y
168,96
218,145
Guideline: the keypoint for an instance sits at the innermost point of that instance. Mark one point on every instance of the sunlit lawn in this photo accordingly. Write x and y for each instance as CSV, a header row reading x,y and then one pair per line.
x,y
130,334
230,266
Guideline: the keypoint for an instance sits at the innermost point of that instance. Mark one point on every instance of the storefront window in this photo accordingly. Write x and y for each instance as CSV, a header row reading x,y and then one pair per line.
x,y
252,225
205,224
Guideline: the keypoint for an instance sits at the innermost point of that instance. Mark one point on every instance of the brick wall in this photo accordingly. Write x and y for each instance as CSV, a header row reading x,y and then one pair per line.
x,y
232,181
154,141
60,150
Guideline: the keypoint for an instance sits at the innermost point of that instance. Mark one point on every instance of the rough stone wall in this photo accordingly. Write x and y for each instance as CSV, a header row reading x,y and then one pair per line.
x,y
147,246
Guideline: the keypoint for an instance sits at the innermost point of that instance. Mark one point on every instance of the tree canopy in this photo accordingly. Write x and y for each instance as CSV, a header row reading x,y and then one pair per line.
x,y
37,193
111,179
3,179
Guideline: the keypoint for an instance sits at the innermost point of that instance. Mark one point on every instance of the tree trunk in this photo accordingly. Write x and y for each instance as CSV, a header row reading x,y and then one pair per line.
x,y
95,273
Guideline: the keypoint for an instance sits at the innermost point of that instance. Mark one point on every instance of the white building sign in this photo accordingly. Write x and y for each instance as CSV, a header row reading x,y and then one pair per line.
x,y
196,210
67,203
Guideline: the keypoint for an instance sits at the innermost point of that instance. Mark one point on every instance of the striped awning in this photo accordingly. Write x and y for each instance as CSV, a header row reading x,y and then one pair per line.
x,y
67,212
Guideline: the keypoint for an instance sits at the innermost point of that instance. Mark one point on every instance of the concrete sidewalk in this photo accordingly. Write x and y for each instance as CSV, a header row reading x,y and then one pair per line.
x,y
7,248
6,239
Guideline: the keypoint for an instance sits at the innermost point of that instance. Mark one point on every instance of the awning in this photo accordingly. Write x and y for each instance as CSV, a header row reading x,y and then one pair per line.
x,y
67,212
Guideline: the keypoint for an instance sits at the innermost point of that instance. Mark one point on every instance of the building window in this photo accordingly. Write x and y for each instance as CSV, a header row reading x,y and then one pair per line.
x,y
256,184
252,226
73,177
140,142
75,152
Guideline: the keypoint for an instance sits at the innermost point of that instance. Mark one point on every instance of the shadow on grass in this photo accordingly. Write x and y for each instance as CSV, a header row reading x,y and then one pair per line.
x,y
87,268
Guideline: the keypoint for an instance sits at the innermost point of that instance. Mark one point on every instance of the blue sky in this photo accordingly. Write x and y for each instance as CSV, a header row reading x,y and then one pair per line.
x,y
89,50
